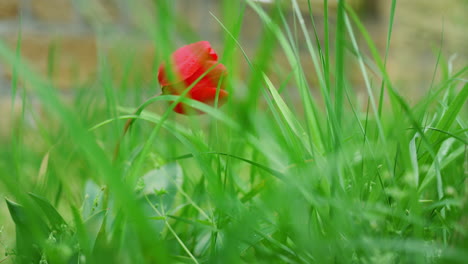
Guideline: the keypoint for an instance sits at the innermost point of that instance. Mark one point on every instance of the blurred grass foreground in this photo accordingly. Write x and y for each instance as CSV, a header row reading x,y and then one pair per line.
x,y
343,138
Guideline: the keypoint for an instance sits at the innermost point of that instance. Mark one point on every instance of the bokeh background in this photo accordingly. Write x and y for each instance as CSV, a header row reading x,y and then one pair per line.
x,y
62,38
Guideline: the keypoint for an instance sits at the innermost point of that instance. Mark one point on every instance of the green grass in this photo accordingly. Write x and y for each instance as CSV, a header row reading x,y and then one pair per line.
x,y
264,179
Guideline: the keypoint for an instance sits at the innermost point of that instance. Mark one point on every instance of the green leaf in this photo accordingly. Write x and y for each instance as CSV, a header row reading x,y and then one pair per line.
x,y
88,231
55,219
451,114
31,232
17,212
80,233
288,115
414,159
444,157
93,227
161,185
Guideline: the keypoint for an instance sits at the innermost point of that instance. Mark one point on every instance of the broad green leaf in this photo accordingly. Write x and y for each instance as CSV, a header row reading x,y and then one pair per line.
x,y
80,235
93,199
55,219
17,212
88,231
161,185
93,227
31,232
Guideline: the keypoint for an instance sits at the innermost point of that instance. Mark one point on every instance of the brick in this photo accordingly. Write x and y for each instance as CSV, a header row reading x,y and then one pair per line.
x,y
53,10
74,57
134,60
9,113
8,9
317,5
99,11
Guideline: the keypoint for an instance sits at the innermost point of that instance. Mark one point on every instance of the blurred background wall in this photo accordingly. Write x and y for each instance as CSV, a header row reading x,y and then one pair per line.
x,y
58,37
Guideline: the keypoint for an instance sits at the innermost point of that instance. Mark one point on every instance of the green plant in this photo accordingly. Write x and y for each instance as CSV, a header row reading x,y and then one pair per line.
x,y
265,179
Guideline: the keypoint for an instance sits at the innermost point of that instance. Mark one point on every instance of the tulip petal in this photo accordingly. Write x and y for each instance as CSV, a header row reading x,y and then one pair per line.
x,y
188,64
186,61
181,108
208,95
214,74
205,95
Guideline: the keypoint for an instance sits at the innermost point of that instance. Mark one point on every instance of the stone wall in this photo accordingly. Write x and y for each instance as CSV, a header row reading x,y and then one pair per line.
x,y
53,33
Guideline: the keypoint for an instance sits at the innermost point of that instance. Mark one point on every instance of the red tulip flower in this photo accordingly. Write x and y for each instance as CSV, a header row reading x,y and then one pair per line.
x,y
188,64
